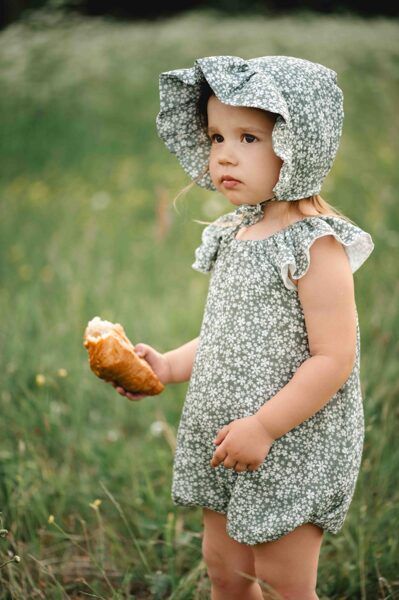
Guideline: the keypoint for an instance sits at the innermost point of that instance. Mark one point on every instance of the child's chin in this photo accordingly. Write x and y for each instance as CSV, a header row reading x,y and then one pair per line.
x,y
234,196
236,201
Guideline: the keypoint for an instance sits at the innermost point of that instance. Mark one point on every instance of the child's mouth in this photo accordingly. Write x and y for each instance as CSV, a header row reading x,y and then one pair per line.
x,y
229,182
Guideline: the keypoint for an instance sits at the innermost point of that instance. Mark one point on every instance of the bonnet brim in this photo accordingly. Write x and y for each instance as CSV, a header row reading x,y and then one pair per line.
x,y
269,84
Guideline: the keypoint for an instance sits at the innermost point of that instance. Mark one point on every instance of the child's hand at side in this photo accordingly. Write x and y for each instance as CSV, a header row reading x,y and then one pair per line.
x,y
243,444
158,363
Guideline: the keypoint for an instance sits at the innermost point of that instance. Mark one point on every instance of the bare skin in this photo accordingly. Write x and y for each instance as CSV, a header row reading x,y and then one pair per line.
x,y
286,568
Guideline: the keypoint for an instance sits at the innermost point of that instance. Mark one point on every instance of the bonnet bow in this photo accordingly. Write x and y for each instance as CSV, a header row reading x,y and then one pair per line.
x,y
250,213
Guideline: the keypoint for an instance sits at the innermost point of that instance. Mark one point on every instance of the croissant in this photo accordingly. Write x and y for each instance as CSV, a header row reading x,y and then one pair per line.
x,y
112,357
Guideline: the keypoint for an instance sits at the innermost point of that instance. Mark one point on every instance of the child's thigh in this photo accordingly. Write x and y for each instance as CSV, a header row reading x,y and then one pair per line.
x,y
224,556
290,562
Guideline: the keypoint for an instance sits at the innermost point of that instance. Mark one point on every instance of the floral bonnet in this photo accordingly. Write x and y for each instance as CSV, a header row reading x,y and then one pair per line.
x,y
303,94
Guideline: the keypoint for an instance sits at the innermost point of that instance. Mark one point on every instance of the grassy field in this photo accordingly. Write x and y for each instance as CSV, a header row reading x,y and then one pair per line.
x,y
88,228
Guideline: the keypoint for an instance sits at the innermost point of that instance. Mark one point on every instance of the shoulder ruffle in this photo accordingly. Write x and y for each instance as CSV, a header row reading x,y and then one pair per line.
x,y
294,245
213,237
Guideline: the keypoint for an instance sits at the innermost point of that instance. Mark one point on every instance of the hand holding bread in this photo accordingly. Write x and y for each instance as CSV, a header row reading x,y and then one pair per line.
x,y
113,358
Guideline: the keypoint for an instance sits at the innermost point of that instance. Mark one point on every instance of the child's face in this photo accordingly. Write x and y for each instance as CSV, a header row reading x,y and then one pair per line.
x,y
241,149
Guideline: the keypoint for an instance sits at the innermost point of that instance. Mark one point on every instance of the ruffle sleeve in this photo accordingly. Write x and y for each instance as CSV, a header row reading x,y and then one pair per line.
x,y
212,238
294,245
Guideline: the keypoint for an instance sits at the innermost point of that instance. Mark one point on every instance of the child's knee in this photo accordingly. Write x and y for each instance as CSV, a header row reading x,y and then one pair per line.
x,y
227,572
230,564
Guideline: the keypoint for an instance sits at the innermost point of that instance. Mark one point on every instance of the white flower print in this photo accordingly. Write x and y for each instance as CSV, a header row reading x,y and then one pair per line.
x,y
245,355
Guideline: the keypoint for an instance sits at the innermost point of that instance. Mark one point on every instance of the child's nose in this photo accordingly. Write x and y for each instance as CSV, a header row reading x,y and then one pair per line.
x,y
227,155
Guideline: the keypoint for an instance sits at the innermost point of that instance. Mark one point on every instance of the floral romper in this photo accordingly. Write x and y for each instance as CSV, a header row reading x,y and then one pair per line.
x,y
252,340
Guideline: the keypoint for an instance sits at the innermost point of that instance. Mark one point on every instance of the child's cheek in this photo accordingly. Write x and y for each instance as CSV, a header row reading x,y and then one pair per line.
x,y
215,180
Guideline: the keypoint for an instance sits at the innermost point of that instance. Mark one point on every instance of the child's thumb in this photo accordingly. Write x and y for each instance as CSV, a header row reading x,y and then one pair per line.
x,y
140,349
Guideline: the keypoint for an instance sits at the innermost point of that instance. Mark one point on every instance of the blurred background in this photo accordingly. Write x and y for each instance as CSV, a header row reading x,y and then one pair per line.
x,y
88,227
119,9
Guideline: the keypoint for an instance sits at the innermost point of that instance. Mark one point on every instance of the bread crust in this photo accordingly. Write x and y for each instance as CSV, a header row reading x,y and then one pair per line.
x,y
112,357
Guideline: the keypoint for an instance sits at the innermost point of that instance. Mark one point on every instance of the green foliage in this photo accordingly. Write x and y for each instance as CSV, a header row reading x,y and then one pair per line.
x,y
82,185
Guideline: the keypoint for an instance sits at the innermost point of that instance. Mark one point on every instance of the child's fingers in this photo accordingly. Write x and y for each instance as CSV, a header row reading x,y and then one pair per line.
x,y
123,392
132,396
218,457
141,349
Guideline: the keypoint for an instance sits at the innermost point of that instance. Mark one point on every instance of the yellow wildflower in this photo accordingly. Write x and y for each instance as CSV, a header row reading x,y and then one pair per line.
x,y
40,379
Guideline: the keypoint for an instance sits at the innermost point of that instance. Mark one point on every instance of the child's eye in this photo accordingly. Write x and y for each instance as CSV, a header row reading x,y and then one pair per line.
x,y
217,138
249,138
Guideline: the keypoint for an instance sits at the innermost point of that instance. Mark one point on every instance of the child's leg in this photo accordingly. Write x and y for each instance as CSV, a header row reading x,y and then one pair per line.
x,y
223,557
289,564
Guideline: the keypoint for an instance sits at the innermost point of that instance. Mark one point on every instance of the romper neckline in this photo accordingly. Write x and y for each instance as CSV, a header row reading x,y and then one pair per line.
x,y
283,230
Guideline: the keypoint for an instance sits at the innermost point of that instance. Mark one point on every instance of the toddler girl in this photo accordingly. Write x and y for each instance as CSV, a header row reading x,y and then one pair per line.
x,y
271,433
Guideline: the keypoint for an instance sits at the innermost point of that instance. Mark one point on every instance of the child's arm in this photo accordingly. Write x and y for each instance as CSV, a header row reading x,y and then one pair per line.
x,y
181,361
328,301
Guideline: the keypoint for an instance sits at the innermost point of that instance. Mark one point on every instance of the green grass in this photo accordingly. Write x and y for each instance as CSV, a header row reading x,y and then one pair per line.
x,y
82,175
